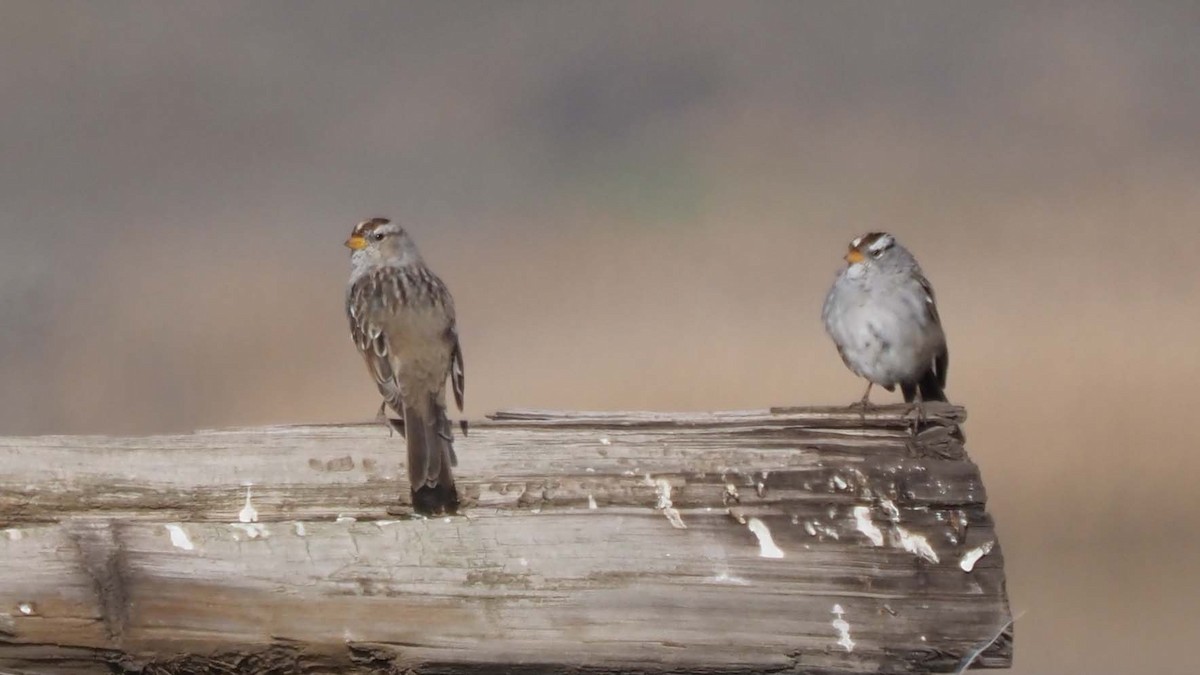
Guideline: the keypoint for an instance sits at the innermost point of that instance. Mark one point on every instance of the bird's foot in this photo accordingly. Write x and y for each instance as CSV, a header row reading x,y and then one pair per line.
x,y
393,424
863,404
917,416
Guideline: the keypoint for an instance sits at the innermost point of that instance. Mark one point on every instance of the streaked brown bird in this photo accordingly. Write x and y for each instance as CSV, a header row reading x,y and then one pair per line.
x,y
402,321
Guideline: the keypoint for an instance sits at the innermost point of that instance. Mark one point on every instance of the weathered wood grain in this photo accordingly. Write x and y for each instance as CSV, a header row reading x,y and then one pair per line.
x,y
799,540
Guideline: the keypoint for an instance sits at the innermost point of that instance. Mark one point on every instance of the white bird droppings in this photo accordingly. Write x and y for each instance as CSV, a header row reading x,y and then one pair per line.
x,y
248,514
179,538
252,530
838,482
26,608
592,502
766,545
971,557
916,544
14,534
843,629
889,507
864,524
605,441
662,488
817,529
298,528
342,518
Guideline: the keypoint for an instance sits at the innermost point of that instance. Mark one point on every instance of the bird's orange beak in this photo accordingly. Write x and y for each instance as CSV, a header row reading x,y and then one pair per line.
x,y
356,242
854,256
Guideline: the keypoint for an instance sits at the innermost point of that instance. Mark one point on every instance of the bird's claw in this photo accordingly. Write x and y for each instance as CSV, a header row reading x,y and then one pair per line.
x,y
393,424
918,417
863,404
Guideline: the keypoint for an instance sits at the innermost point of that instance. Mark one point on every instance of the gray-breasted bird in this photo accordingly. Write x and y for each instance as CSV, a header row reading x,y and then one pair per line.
x,y
402,321
883,318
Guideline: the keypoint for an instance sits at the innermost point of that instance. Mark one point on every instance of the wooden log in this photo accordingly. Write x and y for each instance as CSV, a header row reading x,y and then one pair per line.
x,y
806,540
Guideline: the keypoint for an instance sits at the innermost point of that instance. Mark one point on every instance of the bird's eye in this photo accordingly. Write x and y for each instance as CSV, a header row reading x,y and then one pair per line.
x,y
877,254
378,236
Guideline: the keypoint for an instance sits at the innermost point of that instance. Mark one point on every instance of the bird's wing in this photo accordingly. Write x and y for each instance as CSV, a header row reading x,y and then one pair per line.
x,y
438,294
457,376
941,360
941,364
930,299
369,336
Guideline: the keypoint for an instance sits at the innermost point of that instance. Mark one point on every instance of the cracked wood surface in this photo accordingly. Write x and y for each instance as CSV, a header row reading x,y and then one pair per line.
x,y
799,539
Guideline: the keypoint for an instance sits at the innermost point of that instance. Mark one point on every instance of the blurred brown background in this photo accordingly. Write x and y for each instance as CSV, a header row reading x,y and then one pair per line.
x,y
641,205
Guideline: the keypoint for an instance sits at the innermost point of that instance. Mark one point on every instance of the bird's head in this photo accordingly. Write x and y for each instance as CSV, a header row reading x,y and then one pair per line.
x,y
873,249
380,240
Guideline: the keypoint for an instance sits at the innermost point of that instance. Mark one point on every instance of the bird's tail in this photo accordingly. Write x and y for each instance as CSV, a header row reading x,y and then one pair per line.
x,y
430,458
929,386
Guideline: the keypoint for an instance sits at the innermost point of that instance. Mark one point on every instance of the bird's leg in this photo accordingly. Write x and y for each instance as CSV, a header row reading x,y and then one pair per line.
x,y
394,425
864,404
918,414
865,401
381,416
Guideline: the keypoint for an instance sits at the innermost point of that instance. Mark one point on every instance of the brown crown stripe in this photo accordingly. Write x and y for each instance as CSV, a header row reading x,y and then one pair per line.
x,y
367,226
865,241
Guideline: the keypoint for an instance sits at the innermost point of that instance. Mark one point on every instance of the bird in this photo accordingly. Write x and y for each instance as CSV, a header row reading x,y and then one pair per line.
x,y
403,324
883,317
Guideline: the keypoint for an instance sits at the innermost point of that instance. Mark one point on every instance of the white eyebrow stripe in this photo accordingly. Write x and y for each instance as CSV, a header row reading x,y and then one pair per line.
x,y
883,242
